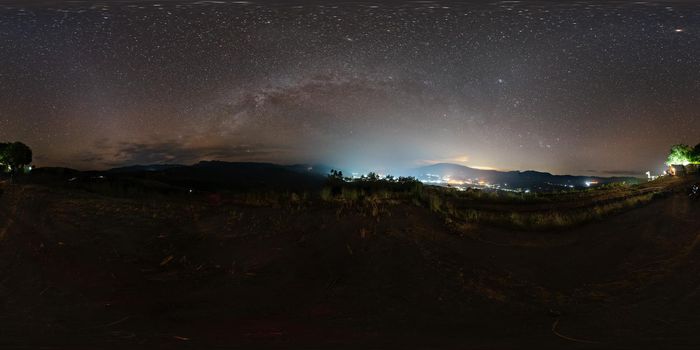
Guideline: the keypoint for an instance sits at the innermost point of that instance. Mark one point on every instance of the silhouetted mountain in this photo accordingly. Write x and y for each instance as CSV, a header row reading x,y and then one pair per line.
x,y
140,168
219,175
320,169
300,168
244,176
514,179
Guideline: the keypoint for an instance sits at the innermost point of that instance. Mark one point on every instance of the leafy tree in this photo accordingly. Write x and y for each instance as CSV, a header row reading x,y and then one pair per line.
x,y
408,180
336,174
335,178
15,156
680,154
372,176
696,153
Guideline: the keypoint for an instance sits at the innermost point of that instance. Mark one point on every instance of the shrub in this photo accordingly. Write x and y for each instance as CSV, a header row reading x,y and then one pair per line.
x,y
327,194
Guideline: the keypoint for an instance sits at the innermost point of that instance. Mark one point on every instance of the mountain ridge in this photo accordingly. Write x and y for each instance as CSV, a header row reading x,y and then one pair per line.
x,y
514,178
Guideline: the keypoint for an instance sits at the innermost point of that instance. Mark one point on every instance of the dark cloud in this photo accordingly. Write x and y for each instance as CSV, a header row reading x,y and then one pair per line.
x,y
171,152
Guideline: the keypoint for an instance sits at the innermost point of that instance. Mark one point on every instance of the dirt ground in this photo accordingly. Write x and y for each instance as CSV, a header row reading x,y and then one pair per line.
x,y
82,271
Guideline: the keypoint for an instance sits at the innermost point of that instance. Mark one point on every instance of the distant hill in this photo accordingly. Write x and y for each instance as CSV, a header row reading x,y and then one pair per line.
x,y
140,168
299,168
218,175
514,179
207,176
243,176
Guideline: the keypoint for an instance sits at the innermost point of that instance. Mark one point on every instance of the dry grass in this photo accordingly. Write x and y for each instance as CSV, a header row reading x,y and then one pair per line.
x,y
531,211
549,219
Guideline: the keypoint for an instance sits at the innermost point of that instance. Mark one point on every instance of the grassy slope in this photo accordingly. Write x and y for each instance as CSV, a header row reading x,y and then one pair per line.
x,y
538,211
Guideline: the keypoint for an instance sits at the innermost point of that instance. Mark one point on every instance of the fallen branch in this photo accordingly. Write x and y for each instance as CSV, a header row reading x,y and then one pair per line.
x,y
111,323
584,341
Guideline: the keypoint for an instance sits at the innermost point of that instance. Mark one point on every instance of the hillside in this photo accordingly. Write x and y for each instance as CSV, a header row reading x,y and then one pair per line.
x,y
209,176
514,179
82,268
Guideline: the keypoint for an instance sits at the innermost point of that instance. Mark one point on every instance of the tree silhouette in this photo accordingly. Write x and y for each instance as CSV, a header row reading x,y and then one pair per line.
x,y
335,176
15,156
372,176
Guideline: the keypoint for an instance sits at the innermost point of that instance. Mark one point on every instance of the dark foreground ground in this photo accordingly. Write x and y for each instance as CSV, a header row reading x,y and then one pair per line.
x,y
83,271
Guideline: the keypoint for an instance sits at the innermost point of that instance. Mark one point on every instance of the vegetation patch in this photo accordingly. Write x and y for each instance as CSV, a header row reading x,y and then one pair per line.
x,y
525,211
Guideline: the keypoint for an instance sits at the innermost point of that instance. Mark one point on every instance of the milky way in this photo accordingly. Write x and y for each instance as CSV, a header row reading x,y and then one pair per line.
x,y
584,88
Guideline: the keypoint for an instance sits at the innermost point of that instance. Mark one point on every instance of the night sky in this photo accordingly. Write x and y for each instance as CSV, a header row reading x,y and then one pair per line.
x,y
585,89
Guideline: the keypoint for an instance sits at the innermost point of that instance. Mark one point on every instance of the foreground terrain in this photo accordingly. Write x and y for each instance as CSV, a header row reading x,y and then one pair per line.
x,y
83,270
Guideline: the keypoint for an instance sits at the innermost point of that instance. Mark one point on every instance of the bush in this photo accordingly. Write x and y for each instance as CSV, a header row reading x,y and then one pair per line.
x,y
341,188
326,194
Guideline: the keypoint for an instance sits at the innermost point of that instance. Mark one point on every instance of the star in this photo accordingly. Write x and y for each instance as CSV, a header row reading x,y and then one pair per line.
x,y
97,86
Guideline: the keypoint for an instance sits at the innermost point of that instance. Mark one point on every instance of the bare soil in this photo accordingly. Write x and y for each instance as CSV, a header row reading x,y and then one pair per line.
x,y
83,271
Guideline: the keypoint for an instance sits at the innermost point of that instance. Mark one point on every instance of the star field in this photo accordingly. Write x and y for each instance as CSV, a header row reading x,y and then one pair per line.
x,y
586,88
